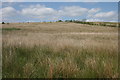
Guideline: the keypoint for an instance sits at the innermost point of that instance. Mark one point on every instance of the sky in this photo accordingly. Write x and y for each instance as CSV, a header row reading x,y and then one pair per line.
x,y
53,11
60,0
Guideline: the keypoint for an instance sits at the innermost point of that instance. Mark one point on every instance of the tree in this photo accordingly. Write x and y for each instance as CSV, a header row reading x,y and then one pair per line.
x,y
70,20
60,21
3,22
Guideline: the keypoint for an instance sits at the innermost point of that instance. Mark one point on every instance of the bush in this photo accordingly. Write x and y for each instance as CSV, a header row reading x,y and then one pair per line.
x,y
60,21
3,22
69,20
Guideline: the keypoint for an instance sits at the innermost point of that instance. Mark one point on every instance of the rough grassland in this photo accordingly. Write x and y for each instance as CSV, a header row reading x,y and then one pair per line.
x,y
59,50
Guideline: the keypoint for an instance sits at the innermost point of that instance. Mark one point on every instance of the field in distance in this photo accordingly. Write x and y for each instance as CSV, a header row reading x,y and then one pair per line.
x,y
59,50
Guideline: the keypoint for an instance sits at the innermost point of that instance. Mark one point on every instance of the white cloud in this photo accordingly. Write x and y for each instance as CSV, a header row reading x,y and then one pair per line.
x,y
72,11
94,10
8,11
10,14
105,14
38,10
95,20
41,12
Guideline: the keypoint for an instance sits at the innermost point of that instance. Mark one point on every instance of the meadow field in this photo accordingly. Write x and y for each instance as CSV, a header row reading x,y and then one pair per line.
x,y
59,50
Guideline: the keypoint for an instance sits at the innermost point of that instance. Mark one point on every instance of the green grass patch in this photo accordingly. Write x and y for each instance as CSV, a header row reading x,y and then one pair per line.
x,y
10,29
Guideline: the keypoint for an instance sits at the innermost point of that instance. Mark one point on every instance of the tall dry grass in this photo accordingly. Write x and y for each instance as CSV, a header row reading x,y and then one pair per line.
x,y
42,50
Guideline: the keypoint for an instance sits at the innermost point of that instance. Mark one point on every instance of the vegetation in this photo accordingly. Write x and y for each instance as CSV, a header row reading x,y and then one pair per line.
x,y
83,21
3,22
11,29
69,20
59,50
98,23
59,21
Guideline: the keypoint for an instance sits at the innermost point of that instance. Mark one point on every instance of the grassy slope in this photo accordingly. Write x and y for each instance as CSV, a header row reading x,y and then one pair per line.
x,y
38,51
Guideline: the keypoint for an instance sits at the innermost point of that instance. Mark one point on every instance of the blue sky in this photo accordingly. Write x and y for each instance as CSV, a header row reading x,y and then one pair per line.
x,y
60,0
52,11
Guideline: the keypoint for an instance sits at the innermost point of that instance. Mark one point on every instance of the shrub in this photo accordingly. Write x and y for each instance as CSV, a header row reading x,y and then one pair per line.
x,y
60,21
3,22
